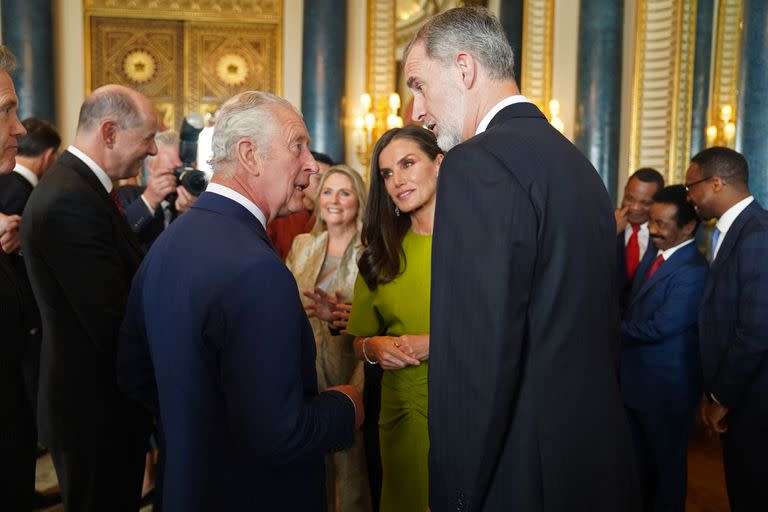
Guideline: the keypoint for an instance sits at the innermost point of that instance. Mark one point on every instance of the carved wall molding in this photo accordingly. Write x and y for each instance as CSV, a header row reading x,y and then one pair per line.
x,y
252,10
663,87
538,43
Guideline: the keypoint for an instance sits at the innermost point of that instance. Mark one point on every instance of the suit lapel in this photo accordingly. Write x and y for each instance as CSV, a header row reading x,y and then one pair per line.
x,y
729,242
678,259
82,170
645,265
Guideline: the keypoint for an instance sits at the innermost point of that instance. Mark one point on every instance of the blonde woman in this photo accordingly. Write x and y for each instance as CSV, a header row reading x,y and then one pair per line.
x,y
324,263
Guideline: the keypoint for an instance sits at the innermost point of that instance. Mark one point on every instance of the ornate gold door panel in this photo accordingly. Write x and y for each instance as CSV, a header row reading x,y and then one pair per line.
x,y
146,55
184,55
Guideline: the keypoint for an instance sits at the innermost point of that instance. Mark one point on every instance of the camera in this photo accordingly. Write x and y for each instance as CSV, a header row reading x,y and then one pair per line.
x,y
192,179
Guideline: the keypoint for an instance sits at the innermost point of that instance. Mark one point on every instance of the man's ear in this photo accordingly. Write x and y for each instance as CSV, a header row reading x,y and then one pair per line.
x,y
690,228
248,156
49,155
467,66
108,131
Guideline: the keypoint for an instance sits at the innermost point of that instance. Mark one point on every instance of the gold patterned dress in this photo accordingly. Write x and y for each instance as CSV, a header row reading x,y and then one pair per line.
x,y
336,363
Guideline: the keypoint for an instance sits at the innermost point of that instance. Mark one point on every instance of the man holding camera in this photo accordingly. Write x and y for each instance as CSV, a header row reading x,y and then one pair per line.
x,y
148,209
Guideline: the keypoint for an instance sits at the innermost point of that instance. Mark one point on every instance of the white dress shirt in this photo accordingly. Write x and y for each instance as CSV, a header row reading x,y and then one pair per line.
x,y
94,167
509,100
240,199
672,250
726,220
27,174
643,237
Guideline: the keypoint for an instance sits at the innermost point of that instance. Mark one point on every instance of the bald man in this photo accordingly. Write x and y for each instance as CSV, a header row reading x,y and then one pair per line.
x,y
81,256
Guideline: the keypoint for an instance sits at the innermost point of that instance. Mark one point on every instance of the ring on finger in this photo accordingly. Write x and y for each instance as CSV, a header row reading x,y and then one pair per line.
x,y
397,344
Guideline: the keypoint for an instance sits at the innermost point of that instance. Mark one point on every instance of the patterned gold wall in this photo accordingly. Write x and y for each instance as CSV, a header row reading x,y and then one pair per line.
x,y
184,56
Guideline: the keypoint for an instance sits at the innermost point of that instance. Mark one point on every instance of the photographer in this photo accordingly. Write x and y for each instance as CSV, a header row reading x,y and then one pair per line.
x,y
147,208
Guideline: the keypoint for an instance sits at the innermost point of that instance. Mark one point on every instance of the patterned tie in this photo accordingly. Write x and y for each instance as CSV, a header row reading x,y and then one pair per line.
x,y
116,199
656,264
715,238
633,253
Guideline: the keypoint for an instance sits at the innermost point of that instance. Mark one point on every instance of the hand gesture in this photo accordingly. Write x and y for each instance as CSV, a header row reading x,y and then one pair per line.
x,y
621,219
9,232
323,305
341,316
159,184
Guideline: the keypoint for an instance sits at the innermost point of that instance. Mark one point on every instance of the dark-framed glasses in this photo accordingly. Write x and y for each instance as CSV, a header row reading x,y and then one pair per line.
x,y
689,186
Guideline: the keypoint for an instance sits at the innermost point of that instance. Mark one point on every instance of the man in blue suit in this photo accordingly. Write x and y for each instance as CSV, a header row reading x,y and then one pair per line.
x,y
660,368
733,322
220,347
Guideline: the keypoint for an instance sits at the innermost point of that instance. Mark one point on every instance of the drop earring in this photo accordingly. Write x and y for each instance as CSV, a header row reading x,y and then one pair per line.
x,y
397,211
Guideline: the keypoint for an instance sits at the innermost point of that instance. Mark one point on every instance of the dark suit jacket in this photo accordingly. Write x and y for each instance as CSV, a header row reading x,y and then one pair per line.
x,y
14,193
147,226
660,362
524,404
80,256
17,444
223,348
733,319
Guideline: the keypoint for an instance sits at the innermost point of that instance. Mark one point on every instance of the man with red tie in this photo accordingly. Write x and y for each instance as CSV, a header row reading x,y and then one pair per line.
x,y
632,237
660,372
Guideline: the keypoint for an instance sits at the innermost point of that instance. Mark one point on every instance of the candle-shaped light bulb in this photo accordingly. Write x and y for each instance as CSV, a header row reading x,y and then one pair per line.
x,y
711,133
365,101
554,108
730,130
725,113
370,121
394,101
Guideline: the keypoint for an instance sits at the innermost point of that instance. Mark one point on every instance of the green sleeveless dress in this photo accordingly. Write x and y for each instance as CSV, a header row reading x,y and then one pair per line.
x,y
395,308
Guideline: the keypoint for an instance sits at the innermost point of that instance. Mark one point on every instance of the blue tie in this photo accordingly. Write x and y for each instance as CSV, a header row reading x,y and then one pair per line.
x,y
715,237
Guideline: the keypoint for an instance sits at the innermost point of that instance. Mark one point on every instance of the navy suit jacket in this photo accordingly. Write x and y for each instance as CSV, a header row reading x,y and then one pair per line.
x,y
733,318
660,365
221,346
147,225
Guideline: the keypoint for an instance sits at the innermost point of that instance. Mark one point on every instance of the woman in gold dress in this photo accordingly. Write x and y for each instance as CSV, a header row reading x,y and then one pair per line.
x,y
390,311
324,263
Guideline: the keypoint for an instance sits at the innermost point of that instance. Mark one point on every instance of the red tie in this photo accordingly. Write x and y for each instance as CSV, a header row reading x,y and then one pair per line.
x,y
656,264
116,199
633,253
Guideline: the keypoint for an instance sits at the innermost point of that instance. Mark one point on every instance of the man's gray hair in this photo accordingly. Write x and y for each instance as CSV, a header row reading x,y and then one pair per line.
x,y
471,29
7,60
251,115
110,103
167,138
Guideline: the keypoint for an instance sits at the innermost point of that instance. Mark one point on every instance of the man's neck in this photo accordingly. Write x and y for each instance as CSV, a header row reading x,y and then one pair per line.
x,y
488,97
231,181
33,164
732,200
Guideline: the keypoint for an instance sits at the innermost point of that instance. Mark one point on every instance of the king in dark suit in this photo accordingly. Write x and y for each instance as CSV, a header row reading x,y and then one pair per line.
x,y
81,255
221,347
660,367
524,404
733,322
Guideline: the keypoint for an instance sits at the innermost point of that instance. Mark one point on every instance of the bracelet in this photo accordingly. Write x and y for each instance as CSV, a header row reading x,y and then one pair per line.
x,y
365,354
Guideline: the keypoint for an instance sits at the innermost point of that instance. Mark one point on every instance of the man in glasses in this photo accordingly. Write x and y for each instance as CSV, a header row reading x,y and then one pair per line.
x,y
733,321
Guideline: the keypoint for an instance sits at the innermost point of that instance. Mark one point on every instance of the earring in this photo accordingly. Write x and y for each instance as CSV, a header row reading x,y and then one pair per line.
x,y
397,211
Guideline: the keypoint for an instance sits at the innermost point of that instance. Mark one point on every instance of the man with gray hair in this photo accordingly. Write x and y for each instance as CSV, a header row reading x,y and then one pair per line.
x,y
524,405
80,254
149,209
17,443
220,347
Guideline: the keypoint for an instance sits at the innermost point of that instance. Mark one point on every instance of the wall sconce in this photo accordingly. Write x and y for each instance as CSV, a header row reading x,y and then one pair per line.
x,y
723,136
554,112
369,127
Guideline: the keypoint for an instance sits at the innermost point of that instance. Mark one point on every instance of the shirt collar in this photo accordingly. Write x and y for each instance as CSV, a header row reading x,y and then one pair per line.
x,y
643,227
27,173
672,250
726,219
94,167
509,100
239,198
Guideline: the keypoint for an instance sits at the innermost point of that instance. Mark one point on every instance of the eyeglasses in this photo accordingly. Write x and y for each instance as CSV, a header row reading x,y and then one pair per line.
x,y
689,186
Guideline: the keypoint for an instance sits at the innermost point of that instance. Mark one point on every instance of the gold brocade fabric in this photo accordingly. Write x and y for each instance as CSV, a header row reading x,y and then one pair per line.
x,y
336,364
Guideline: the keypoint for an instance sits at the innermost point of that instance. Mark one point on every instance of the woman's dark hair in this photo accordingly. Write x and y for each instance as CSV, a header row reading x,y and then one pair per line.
x,y
383,230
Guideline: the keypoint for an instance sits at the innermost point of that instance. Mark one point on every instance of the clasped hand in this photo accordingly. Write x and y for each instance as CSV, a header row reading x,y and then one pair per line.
x,y
396,352
9,232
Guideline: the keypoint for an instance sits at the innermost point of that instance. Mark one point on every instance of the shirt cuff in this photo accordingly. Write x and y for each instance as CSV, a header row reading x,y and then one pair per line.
x,y
151,210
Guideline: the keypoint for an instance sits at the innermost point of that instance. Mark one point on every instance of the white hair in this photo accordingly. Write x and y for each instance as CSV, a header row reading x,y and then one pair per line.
x,y
251,115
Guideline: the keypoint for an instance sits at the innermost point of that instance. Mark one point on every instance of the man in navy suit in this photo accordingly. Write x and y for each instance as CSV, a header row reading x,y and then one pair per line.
x,y
220,347
632,237
733,322
524,405
660,366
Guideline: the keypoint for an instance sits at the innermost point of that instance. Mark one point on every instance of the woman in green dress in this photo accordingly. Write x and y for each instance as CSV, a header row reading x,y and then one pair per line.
x,y
390,311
